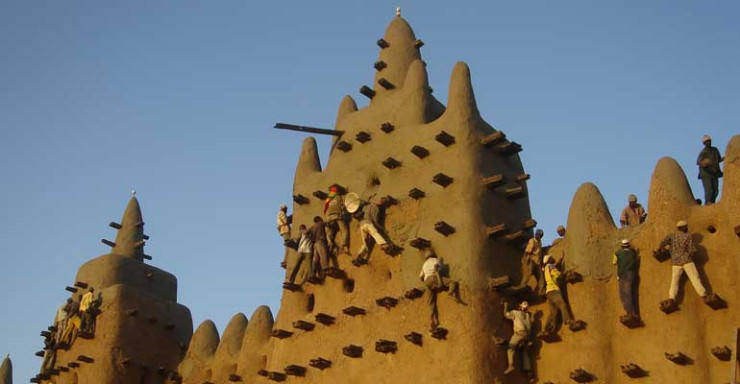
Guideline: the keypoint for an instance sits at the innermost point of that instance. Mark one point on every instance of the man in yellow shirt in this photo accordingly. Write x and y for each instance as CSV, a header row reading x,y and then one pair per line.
x,y
88,312
554,297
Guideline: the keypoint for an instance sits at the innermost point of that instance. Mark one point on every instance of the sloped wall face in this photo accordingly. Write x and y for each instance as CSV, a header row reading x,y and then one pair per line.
x,y
450,140
694,330
128,347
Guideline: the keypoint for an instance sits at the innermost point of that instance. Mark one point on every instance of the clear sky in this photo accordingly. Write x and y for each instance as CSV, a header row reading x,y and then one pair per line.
x,y
177,99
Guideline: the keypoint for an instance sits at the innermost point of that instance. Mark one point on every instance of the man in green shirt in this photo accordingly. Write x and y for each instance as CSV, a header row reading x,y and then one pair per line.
x,y
626,261
709,171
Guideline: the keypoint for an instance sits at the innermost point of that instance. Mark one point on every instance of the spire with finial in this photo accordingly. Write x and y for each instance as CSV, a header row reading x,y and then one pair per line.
x,y
130,239
6,371
400,49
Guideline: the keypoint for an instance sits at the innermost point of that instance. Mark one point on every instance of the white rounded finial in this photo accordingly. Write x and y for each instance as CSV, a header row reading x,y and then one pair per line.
x,y
133,192
398,11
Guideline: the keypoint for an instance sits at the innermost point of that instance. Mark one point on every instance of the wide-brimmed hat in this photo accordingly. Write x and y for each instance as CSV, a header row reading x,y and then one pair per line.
x,y
352,202
625,243
682,223
706,138
632,198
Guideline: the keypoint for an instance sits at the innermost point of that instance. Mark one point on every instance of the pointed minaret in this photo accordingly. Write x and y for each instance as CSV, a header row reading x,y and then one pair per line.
x,y
130,238
6,371
589,223
254,346
224,361
416,97
731,184
461,104
200,353
670,196
308,162
400,49
346,107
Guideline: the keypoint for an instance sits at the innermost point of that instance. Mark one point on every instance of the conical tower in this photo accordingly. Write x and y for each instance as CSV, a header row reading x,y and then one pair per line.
x,y
141,332
6,371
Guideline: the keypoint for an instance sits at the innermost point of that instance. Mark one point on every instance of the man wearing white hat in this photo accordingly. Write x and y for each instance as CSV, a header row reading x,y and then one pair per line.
x,y
520,340
633,213
682,250
431,276
709,171
283,222
283,228
554,297
626,261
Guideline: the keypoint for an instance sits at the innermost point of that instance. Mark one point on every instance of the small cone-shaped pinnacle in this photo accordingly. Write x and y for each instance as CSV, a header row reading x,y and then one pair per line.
x,y
231,342
200,353
400,53
416,99
130,237
204,342
731,185
256,339
670,195
308,162
461,104
6,371
589,222
346,107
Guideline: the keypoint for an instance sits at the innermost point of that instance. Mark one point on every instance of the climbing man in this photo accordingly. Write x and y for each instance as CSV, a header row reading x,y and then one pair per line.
x,y
334,212
88,313
521,339
682,249
531,262
554,297
305,254
283,222
633,213
432,277
60,321
627,263
317,233
69,335
709,171
283,228
371,225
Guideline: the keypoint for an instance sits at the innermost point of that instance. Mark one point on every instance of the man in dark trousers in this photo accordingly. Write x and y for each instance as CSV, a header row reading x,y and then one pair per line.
x,y
709,171
626,261
321,253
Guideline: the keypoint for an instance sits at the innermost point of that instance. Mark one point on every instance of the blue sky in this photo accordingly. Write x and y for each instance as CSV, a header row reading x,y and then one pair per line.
x,y
177,99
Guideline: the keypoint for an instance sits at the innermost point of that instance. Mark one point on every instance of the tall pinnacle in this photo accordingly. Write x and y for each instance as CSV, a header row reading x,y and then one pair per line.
x,y
400,49
6,371
130,237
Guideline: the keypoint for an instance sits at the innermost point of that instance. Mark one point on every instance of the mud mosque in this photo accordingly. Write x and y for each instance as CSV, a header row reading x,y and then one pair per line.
x,y
452,188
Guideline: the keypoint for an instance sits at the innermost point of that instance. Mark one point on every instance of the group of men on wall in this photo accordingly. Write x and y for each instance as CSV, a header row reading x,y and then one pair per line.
x,y
75,318
679,244
318,247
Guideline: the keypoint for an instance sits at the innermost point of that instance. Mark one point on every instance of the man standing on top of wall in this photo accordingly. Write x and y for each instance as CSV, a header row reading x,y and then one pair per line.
x,y
633,214
709,171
